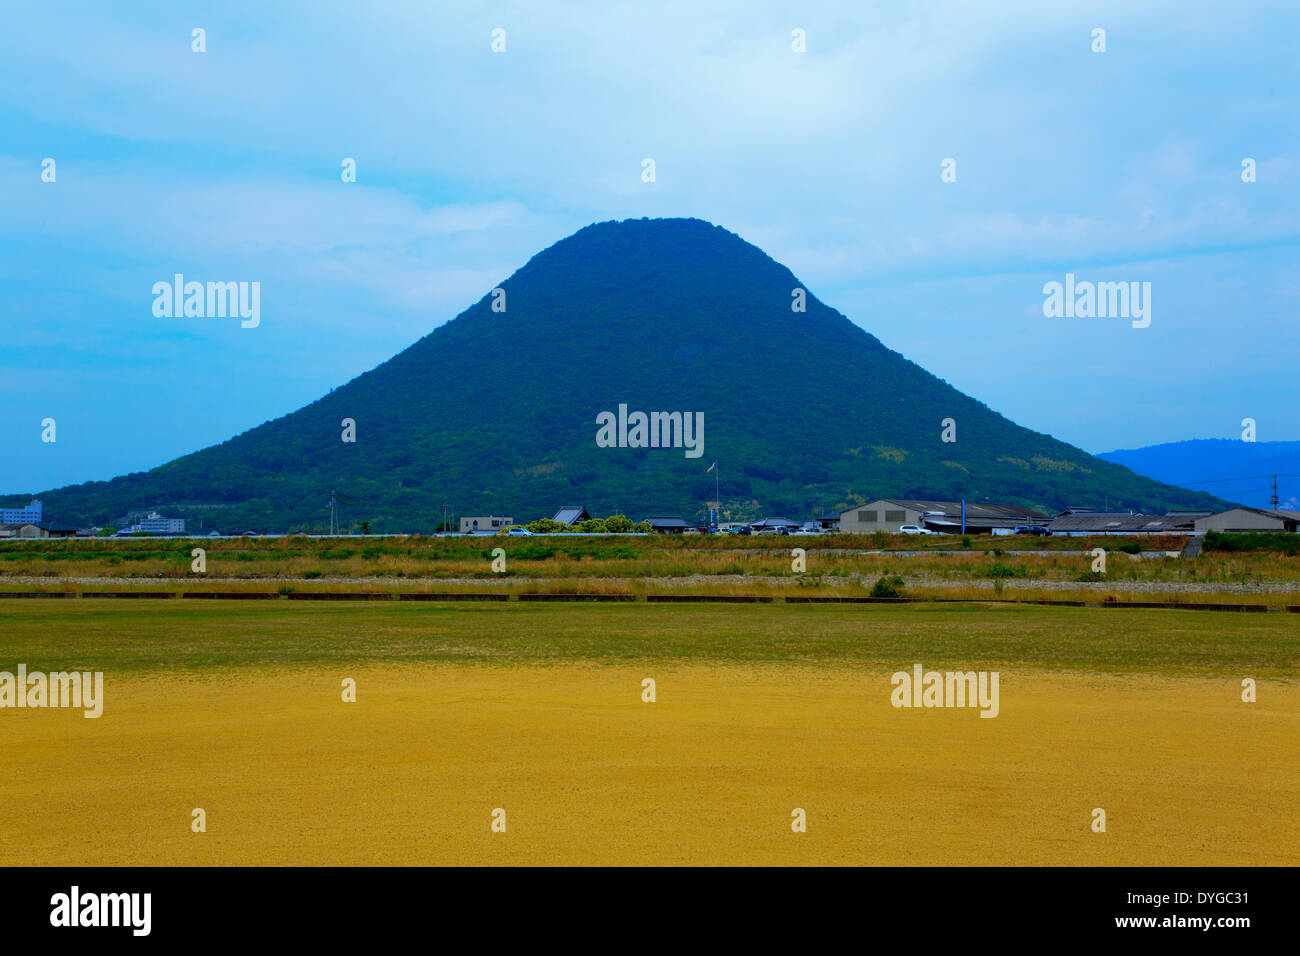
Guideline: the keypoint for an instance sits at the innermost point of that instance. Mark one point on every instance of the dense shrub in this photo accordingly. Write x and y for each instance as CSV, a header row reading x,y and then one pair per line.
x,y
1287,543
999,570
889,586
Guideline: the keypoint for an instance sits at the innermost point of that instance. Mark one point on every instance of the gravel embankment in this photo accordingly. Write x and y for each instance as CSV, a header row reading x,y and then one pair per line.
x,y
694,580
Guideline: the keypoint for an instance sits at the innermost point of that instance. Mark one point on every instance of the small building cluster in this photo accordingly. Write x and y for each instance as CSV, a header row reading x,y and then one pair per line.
x,y
894,515
884,515
42,530
918,516
29,522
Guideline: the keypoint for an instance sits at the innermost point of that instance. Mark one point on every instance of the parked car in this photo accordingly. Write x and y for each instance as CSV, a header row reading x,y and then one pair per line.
x,y
741,530
516,531
1037,529
915,529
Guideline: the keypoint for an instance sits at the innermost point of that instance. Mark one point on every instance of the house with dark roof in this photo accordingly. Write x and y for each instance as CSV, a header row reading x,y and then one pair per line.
x,y
827,522
571,515
667,524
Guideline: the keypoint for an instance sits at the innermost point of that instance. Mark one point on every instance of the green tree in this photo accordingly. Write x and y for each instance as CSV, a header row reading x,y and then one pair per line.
x,y
618,524
546,526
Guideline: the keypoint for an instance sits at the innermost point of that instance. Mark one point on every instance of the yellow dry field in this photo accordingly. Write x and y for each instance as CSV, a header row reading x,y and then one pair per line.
x,y
708,774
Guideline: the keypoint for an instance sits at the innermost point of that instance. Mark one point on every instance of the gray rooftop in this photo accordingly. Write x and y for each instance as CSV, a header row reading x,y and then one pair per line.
x,y
571,514
667,521
976,509
1103,522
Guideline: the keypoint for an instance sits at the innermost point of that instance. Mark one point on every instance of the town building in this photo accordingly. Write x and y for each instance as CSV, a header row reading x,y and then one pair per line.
x,y
890,514
1248,519
33,530
154,523
484,524
26,530
31,514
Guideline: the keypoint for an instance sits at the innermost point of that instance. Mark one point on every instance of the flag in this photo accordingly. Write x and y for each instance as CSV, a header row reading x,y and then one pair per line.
x,y
711,467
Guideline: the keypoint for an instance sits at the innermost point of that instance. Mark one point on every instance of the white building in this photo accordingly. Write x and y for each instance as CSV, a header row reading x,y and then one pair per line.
x,y
482,523
28,515
154,523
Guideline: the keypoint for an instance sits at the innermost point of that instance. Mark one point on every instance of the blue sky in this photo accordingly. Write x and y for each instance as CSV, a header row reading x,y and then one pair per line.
x,y
1123,165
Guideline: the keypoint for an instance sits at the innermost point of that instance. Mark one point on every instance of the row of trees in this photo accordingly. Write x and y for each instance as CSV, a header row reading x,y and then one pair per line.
x,y
614,524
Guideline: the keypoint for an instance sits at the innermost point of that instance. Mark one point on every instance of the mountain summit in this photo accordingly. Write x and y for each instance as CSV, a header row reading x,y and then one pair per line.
x,y
498,411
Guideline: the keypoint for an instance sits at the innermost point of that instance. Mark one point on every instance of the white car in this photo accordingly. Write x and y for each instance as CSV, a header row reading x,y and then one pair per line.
x,y
915,529
517,531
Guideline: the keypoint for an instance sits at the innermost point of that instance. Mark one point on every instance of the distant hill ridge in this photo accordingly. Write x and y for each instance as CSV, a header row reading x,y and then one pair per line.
x,y
1229,468
495,412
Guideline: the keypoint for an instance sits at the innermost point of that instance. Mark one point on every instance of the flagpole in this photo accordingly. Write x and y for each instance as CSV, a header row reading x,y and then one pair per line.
x,y
717,485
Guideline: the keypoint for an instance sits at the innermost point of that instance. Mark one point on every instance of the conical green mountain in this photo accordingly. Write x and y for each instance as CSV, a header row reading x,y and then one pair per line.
x,y
495,412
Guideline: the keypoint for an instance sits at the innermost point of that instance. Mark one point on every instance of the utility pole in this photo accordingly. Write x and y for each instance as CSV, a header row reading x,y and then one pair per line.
x,y
717,491
1275,492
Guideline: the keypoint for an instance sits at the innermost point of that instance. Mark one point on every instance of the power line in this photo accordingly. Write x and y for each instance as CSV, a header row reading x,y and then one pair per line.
x,y
1213,481
1273,499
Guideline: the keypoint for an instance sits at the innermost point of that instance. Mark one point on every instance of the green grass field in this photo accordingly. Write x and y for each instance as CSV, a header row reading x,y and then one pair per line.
x,y
116,635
